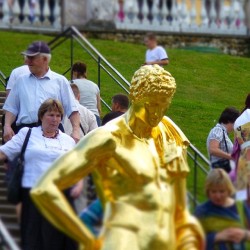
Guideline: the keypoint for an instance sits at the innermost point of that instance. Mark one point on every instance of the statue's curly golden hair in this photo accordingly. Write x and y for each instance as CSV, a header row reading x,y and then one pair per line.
x,y
151,80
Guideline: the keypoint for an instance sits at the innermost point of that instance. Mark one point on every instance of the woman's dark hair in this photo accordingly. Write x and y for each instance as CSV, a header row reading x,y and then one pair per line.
x,y
247,103
229,115
80,68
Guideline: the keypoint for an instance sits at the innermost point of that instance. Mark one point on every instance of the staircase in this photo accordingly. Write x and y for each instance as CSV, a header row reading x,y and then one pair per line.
x,y
7,211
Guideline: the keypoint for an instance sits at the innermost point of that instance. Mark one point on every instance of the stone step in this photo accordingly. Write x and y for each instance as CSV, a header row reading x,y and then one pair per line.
x,y
3,94
9,218
2,184
7,209
13,229
3,191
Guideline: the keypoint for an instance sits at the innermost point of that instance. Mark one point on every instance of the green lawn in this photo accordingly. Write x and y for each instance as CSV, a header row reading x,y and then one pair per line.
x,y
206,82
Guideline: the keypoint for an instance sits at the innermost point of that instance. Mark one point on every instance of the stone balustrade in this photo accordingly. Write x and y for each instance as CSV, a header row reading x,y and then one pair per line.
x,y
185,16
218,17
30,14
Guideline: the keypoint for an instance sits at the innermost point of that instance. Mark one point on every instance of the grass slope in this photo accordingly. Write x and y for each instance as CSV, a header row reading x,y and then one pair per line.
x,y
206,82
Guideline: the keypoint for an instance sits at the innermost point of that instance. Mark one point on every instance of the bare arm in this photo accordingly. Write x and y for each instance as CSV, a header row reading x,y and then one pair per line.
x,y
159,62
99,106
8,132
215,150
67,170
75,122
77,189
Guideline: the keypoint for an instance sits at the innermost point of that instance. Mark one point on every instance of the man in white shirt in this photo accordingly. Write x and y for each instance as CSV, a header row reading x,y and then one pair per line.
x,y
33,88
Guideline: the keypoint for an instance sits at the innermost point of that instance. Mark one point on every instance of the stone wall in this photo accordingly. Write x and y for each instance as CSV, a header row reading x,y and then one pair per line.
x,y
232,45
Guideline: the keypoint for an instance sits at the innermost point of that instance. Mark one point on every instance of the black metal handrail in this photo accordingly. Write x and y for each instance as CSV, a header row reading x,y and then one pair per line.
x,y
3,79
199,168
102,64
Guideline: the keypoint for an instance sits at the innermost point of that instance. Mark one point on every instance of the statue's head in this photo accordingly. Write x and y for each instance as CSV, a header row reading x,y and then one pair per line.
x,y
151,81
151,92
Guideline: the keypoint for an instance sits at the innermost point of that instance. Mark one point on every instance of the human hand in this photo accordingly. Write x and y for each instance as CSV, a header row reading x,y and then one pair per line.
x,y
8,133
76,190
234,234
75,135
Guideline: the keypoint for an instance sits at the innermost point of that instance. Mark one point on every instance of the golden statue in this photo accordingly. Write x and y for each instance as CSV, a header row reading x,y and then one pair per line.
x,y
139,163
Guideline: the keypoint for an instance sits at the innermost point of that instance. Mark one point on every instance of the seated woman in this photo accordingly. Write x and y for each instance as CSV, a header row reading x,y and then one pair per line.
x,y
224,221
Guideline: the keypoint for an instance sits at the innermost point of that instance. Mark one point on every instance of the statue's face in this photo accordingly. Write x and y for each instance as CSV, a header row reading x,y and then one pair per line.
x,y
155,109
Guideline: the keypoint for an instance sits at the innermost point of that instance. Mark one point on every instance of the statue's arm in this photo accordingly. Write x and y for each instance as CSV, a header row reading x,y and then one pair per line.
x,y
65,172
189,233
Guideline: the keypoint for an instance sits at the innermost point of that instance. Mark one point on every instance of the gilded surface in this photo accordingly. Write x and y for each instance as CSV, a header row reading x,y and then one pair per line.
x,y
139,160
242,134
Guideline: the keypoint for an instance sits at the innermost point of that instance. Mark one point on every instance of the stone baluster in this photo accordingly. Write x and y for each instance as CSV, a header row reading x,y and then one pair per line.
x,y
57,13
48,11
41,8
149,16
130,13
204,15
159,8
232,17
140,15
247,15
8,11
193,15
213,15
155,9
169,8
174,13
5,12
184,16
21,13
224,16
52,7
1,9
241,15
175,18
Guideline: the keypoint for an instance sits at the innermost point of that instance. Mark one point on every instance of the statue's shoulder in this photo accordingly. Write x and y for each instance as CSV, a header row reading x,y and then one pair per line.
x,y
174,131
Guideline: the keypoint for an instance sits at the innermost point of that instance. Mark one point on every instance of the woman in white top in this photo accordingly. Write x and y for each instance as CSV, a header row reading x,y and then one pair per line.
x,y
46,143
89,91
219,145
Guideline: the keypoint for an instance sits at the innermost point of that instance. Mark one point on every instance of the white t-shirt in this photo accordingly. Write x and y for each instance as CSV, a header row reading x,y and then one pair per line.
x,y
88,94
156,54
40,153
